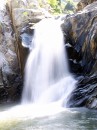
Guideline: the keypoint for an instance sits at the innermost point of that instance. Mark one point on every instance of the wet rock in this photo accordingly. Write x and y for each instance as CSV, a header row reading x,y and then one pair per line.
x,y
73,60
85,93
80,30
26,35
81,33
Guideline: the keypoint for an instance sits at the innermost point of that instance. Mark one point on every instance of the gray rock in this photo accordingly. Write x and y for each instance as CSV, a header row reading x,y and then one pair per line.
x,y
81,32
9,65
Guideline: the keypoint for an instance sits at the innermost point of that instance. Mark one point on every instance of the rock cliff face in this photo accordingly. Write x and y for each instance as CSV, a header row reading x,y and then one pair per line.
x,y
10,78
81,32
23,14
81,29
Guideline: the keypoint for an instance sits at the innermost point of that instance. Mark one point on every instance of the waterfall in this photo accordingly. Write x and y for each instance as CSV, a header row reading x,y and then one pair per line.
x,y
47,77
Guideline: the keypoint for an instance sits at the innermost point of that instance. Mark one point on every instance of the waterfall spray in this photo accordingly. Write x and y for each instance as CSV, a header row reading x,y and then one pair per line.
x,y
47,77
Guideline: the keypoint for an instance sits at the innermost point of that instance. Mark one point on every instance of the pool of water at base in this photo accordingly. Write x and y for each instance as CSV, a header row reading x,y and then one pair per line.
x,y
68,119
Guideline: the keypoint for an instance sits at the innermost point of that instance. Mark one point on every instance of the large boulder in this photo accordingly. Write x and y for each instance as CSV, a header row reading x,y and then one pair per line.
x,y
81,33
25,11
10,77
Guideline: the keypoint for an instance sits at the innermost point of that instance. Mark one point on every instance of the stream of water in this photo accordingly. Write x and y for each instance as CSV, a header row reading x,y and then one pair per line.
x,y
47,77
68,119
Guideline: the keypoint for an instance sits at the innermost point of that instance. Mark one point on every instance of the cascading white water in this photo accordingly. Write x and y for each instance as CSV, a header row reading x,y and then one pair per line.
x,y
48,83
47,78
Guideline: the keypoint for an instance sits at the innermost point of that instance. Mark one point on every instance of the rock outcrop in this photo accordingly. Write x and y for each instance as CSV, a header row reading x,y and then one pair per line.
x,y
83,3
10,77
81,32
23,14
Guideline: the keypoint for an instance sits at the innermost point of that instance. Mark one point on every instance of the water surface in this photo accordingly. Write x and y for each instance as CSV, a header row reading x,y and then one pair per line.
x,y
68,119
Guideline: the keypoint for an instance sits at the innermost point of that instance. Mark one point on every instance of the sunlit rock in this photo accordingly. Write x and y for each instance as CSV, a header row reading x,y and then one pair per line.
x,y
35,4
25,11
22,13
83,3
81,32
9,66
23,16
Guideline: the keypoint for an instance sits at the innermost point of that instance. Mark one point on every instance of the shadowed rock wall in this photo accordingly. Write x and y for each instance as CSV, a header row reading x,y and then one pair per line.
x,y
81,32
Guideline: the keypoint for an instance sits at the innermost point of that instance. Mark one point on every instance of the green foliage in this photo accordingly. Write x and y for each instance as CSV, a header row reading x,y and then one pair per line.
x,y
53,2
58,6
25,13
55,5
